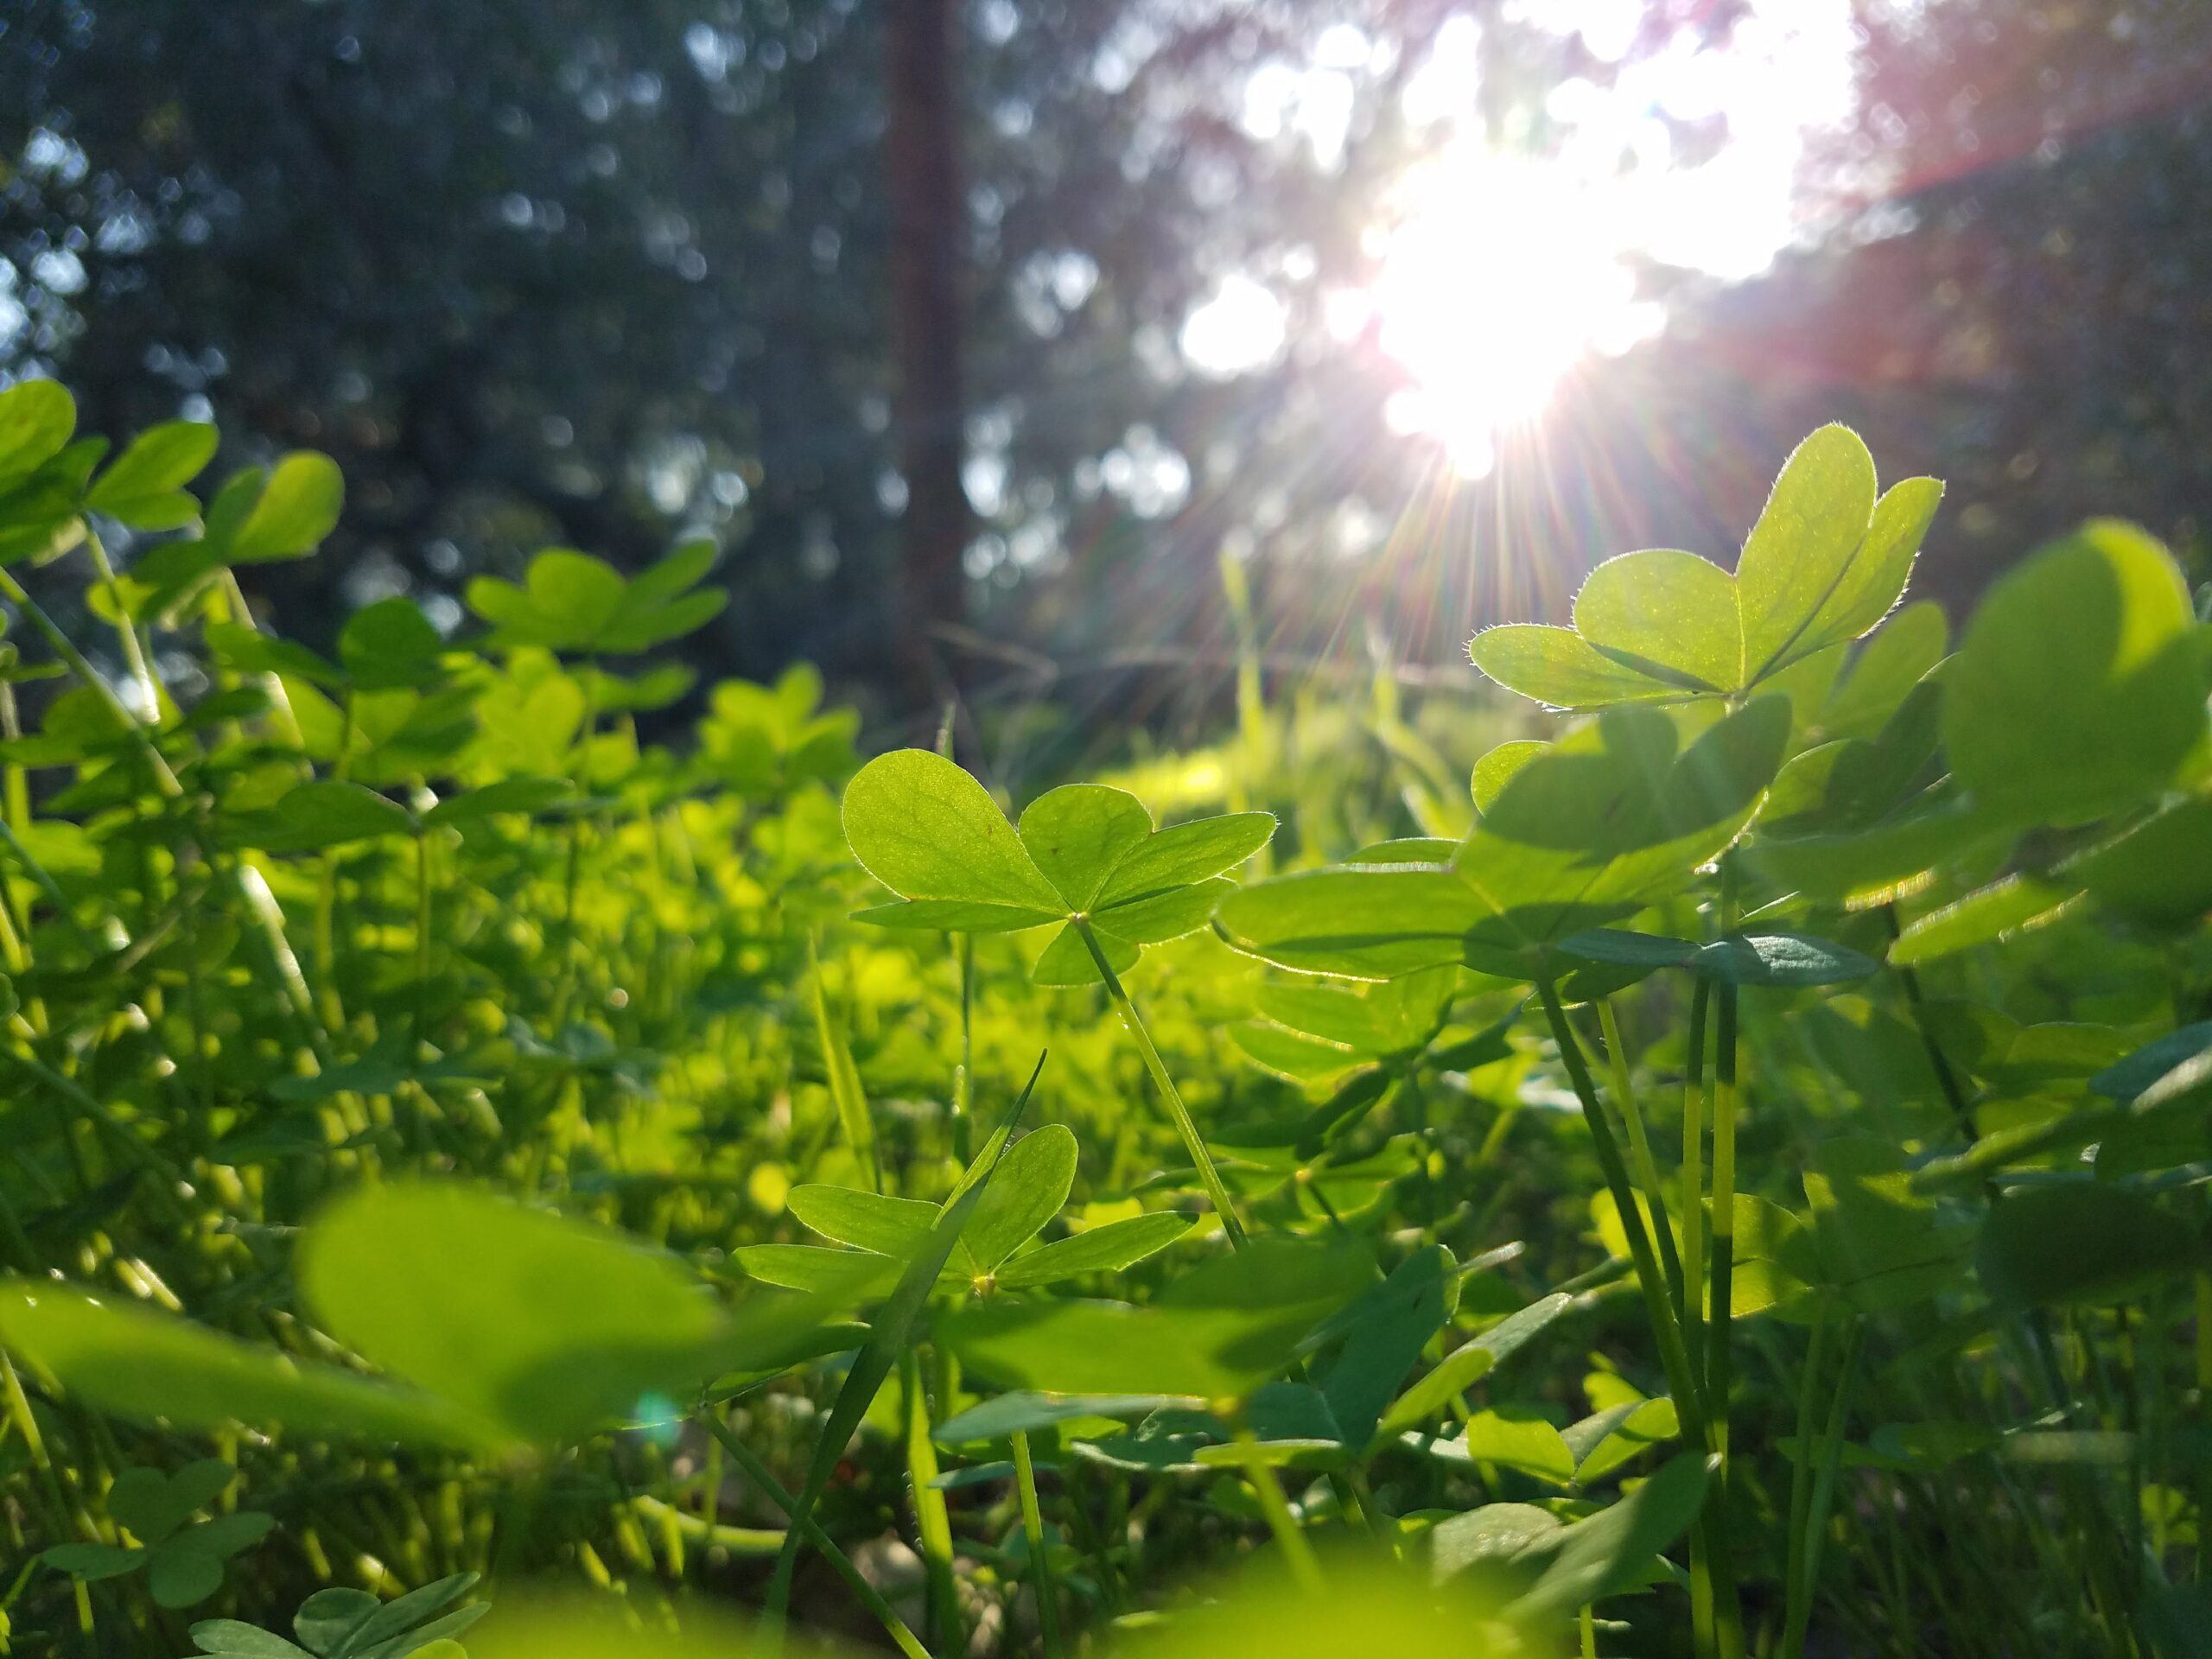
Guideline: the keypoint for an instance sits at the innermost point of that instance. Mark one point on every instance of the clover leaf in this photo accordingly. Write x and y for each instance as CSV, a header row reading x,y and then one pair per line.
x,y
929,832
182,1558
1595,828
1824,564
1031,1187
340,1622
556,1330
571,601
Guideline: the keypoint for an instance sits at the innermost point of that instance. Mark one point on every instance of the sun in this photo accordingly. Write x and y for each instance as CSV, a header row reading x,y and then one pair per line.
x,y
1502,276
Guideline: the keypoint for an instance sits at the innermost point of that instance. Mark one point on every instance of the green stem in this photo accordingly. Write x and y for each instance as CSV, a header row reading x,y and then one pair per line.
x,y
1711,1579
1304,1568
1717,1332
422,937
1693,1115
60,1522
762,1477
326,892
1954,1093
17,774
1673,1355
1797,1588
164,779
963,1080
126,632
1040,1565
1816,1519
932,1518
1208,1174
1639,1145
233,598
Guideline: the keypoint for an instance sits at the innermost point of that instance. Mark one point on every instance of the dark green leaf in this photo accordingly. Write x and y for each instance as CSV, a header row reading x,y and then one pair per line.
x,y
2081,1243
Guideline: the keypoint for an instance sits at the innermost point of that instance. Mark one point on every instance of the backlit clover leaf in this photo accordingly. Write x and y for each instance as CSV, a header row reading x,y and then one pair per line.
x,y
182,1558
1825,563
1085,856
1030,1187
341,1624
570,602
1585,833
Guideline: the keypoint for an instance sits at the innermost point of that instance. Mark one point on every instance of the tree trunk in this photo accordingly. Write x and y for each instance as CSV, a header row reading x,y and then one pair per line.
x,y
929,221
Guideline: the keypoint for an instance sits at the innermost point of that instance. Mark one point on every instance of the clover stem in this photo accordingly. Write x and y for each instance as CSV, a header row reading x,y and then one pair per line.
x,y
126,631
1639,1147
1032,1530
1215,1192
1304,1568
1954,1093
963,1080
164,779
1724,1218
325,890
764,1478
1816,1516
1711,1579
1673,1356
1694,1167
1794,1589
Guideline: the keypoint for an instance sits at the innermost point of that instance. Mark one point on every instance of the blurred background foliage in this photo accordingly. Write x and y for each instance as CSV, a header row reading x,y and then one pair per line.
x,y
1416,306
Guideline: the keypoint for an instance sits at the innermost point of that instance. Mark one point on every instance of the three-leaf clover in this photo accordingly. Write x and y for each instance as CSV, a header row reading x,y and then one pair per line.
x,y
182,1558
1823,565
573,602
1030,1187
1085,856
342,1623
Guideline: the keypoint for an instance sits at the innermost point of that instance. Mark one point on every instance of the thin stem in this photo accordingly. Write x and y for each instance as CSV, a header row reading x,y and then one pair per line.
x,y
1816,1520
126,631
1196,1148
231,597
932,1519
1673,1356
761,1476
1693,1116
164,779
1796,1588
422,937
1954,1092
1711,1579
326,892
1304,1569
1639,1145
1032,1530
1724,1220
963,1080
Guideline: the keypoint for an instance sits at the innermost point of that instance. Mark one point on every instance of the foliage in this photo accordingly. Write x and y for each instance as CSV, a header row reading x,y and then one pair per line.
x,y
423,1094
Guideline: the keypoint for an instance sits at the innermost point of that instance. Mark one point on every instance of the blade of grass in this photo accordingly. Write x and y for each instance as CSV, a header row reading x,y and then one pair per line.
x,y
844,1077
764,1478
932,1518
887,1335
1192,1142
1711,1575
1033,1531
